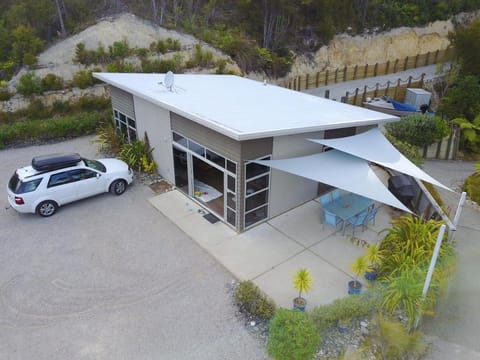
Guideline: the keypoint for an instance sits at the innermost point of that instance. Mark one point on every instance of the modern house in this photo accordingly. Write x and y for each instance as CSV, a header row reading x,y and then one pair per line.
x,y
207,131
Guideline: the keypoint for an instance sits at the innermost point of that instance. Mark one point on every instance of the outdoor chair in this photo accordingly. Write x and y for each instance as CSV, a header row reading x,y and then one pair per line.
x,y
335,194
371,214
332,219
324,200
357,220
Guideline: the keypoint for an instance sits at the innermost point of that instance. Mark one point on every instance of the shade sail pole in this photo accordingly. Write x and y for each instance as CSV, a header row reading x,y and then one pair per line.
x,y
431,268
456,219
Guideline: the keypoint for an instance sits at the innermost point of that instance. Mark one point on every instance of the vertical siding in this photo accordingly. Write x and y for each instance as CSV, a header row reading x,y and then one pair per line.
x,y
122,101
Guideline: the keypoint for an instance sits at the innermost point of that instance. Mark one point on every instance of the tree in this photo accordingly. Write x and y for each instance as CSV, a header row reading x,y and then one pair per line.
x,y
466,42
60,6
25,42
462,99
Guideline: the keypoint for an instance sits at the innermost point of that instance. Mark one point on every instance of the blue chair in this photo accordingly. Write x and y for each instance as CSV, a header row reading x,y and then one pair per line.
x,y
324,200
332,219
357,220
335,194
371,214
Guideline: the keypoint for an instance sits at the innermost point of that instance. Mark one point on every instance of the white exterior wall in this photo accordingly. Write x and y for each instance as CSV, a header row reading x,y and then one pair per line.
x,y
286,190
155,121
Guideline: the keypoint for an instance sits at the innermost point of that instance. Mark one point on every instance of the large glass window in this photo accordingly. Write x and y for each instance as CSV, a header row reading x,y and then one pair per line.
x,y
211,176
126,125
257,185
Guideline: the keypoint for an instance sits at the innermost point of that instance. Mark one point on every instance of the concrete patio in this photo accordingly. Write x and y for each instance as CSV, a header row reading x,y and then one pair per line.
x,y
270,253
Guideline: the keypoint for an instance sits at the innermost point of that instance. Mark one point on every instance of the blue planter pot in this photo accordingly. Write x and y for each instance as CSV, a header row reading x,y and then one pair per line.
x,y
354,287
299,304
371,275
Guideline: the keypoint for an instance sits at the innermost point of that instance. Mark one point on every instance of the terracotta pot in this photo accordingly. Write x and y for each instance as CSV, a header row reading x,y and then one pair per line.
x,y
299,303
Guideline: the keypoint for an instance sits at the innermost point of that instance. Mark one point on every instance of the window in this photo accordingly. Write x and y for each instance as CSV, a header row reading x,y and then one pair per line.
x,y
60,179
126,125
257,183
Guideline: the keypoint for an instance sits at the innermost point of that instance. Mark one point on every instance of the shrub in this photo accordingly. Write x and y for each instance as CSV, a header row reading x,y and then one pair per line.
x,y
137,155
37,110
64,127
52,82
84,79
472,186
163,66
5,95
348,308
200,58
93,103
121,67
469,134
109,139
293,336
252,300
419,130
119,50
408,150
29,84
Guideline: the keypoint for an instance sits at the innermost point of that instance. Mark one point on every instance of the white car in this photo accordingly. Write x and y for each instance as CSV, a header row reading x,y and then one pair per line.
x,y
54,180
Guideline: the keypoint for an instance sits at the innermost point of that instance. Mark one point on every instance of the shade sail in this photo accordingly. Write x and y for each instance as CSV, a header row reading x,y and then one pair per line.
x,y
373,146
340,170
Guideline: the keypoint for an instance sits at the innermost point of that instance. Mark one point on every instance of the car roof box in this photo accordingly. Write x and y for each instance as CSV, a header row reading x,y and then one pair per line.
x,y
55,161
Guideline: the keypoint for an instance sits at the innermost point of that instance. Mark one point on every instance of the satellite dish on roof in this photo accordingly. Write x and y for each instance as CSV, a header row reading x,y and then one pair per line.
x,y
169,80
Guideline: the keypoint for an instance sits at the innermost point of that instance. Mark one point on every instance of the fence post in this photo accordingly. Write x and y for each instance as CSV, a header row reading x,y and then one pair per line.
x,y
355,97
375,69
327,94
416,61
395,66
364,93
355,72
409,81
345,73
295,83
317,76
375,93
395,95
326,77
306,82
388,87
336,75
405,64
387,67
436,56
344,99
427,59
422,78
366,71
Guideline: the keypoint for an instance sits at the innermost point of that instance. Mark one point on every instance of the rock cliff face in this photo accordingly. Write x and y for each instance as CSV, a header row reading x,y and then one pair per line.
x,y
345,50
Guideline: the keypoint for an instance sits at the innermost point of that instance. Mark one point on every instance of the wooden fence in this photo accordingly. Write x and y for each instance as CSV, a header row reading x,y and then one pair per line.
x,y
364,71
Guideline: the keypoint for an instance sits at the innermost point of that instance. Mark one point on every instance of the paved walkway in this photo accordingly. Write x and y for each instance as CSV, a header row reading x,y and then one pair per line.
x,y
270,253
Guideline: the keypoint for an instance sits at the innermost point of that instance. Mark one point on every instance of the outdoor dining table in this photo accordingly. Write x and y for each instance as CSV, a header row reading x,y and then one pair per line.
x,y
348,206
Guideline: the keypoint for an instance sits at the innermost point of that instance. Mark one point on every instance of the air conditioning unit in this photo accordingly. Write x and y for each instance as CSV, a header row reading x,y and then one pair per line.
x,y
417,97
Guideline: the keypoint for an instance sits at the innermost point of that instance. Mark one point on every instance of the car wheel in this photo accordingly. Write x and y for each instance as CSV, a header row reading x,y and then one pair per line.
x,y
47,208
118,187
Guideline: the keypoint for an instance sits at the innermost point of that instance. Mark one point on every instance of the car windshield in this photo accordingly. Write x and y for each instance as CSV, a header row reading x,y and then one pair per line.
x,y
94,164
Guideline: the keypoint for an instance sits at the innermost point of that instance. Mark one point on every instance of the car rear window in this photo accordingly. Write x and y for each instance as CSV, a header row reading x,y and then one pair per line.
x,y
21,187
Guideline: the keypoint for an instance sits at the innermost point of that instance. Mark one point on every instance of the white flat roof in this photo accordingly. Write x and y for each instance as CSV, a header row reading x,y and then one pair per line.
x,y
241,108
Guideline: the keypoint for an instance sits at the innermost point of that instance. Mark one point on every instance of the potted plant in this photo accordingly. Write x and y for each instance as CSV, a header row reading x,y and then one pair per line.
x,y
374,257
302,282
359,266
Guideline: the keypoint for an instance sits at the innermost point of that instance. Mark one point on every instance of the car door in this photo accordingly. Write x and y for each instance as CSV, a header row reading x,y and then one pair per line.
x,y
61,188
88,182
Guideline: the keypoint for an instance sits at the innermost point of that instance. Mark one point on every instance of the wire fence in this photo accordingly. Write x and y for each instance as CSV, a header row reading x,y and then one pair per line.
x,y
365,71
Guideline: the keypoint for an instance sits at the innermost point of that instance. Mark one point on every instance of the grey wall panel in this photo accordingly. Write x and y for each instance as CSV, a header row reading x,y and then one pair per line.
x,y
155,121
122,101
222,144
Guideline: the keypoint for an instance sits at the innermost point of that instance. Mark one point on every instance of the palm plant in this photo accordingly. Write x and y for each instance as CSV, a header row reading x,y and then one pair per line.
x,y
302,282
359,266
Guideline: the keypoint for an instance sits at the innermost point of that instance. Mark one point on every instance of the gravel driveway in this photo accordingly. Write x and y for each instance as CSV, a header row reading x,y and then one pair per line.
x,y
110,278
